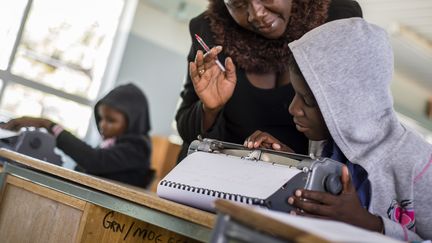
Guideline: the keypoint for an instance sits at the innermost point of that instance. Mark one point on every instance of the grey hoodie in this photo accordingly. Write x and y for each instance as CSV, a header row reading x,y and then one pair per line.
x,y
348,65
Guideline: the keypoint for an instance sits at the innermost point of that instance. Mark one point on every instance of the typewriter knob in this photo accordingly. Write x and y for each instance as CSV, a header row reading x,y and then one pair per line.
x,y
35,143
333,184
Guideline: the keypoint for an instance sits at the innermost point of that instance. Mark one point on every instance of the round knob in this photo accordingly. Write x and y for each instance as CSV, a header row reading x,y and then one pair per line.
x,y
333,184
35,143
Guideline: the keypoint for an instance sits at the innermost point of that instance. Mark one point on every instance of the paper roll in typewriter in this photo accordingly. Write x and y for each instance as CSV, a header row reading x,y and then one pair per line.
x,y
219,170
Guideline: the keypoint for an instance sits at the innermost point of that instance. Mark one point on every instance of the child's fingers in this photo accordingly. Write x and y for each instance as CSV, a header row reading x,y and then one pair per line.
x,y
262,138
287,149
276,146
251,139
316,196
12,125
311,207
346,180
303,213
265,138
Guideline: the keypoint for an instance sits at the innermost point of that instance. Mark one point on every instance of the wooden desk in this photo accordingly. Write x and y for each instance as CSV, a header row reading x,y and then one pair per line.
x,y
240,223
41,202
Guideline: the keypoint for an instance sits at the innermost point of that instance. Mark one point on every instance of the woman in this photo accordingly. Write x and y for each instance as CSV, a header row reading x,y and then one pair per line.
x,y
254,93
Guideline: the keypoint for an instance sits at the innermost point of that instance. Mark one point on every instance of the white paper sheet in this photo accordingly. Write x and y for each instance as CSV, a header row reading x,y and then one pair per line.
x,y
224,173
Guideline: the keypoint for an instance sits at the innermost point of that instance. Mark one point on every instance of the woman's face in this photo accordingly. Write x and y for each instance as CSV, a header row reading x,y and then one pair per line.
x,y
268,18
112,122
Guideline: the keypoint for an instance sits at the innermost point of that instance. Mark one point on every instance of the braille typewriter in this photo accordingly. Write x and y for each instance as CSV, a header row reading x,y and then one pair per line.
x,y
34,143
215,169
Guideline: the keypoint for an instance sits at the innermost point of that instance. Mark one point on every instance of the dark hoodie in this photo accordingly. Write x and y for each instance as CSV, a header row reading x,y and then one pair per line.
x,y
128,160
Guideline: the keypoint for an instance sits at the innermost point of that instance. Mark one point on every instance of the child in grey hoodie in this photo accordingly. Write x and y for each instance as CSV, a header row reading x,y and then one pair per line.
x,y
342,95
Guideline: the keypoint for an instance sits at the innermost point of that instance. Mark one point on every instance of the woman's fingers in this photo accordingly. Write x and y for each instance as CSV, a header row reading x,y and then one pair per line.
x,y
199,58
204,62
230,70
211,55
211,83
193,72
196,68
211,61
199,61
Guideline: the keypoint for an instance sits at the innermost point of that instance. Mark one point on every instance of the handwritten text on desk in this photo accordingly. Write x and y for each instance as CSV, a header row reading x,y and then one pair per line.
x,y
134,230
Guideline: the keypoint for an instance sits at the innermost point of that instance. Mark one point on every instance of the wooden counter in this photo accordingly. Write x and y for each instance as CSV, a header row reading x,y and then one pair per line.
x,y
41,202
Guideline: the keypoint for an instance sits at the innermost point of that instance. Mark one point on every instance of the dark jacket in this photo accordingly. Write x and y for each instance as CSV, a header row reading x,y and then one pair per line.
x,y
128,160
250,108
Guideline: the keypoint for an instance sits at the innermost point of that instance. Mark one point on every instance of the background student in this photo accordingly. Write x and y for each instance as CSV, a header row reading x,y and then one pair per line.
x,y
253,93
342,95
122,117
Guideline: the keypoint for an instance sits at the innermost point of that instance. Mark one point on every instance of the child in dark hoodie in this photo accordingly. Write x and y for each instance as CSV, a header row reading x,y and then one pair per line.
x,y
341,77
122,118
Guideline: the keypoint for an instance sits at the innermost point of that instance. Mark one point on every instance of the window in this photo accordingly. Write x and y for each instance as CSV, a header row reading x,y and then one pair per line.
x,y
53,55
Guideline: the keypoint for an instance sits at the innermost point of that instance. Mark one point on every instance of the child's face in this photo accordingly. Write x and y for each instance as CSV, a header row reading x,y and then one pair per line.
x,y
112,122
305,110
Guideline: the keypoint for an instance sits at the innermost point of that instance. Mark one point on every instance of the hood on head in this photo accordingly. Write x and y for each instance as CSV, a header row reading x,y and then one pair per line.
x,y
348,65
131,101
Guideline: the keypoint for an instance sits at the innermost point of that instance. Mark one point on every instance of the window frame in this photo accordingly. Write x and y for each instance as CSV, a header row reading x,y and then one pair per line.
x,y
108,78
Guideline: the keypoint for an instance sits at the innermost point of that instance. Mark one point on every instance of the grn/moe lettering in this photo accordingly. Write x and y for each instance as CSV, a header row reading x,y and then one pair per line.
x,y
147,235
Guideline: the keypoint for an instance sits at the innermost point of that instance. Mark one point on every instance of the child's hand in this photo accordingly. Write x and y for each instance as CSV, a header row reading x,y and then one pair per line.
x,y
345,207
260,139
18,123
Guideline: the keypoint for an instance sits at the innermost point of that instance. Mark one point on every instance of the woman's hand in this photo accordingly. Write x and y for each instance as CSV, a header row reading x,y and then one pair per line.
x,y
213,86
18,123
260,139
345,207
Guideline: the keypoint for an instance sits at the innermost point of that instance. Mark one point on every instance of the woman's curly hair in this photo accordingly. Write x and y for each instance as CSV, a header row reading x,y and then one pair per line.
x,y
255,53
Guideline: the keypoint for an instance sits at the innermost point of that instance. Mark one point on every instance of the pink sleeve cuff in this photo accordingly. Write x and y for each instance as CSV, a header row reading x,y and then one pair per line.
x,y
56,130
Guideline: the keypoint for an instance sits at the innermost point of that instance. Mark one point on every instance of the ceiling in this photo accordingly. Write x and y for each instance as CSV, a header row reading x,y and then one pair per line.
x,y
183,10
414,14
408,21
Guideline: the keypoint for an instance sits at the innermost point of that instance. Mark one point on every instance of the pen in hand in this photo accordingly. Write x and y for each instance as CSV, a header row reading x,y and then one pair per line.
x,y
207,49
